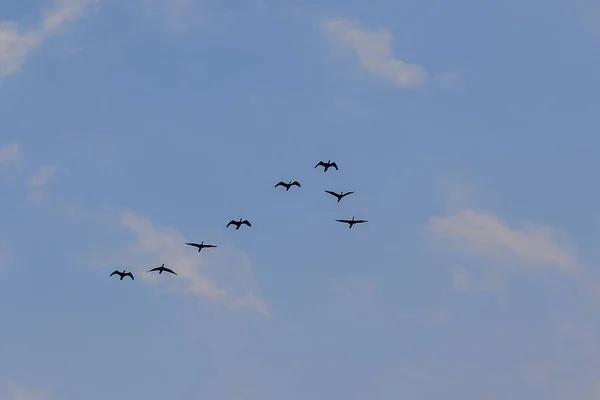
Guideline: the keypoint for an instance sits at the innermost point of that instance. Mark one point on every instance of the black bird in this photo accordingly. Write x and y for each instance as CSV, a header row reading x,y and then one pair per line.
x,y
162,269
287,186
238,223
122,274
351,222
340,195
327,165
200,246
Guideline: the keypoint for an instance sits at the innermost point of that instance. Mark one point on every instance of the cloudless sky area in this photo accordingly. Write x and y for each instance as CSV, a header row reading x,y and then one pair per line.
x,y
468,131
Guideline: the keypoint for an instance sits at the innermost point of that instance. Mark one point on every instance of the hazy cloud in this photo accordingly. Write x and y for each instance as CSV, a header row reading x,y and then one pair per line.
x,y
485,234
154,245
14,391
16,45
11,153
42,177
38,182
374,51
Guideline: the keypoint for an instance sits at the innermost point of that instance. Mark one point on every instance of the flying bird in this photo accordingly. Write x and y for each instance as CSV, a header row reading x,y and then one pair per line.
x,y
162,269
238,223
201,246
327,165
122,274
339,196
351,222
287,186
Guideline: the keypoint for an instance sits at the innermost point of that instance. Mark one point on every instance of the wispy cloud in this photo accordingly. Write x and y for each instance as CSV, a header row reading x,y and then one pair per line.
x,y
460,278
374,51
42,177
6,256
11,153
39,181
16,45
484,234
14,391
156,245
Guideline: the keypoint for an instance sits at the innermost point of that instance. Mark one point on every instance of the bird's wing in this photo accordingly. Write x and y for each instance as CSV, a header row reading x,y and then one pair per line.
x,y
320,163
209,245
115,272
334,165
193,244
346,194
296,183
280,184
230,222
246,222
359,221
129,274
332,193
346,221
154,269
169,270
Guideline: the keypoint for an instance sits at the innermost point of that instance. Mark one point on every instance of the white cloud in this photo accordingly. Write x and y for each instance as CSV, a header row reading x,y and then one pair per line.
x,y
374,51
156,245
485,234
16,45
14,391
10,153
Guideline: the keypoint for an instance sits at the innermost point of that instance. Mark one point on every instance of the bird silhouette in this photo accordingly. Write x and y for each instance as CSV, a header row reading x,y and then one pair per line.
x,y
201,246
327,165
287,186
238,223
351,222
339,196
122,274
162,269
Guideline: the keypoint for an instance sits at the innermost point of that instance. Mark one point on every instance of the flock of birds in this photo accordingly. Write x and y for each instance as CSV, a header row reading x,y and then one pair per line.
x,y
238,224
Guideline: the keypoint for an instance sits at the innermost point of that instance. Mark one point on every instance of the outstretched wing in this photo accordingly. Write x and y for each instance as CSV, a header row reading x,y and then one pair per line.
x,y
346,194
345,221
209,245
280,184
332,193
334,165
129,274
296,183
169,270
359,221
154,269
246,222
115,273
230,223
321,163
193,244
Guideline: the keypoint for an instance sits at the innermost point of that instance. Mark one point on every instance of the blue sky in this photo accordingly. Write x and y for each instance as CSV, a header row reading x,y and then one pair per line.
x,y
466,129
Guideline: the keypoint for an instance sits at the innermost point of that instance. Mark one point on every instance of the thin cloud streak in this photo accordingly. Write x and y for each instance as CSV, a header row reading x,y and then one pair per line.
x,y
16,46
484,234
155,245
374,51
